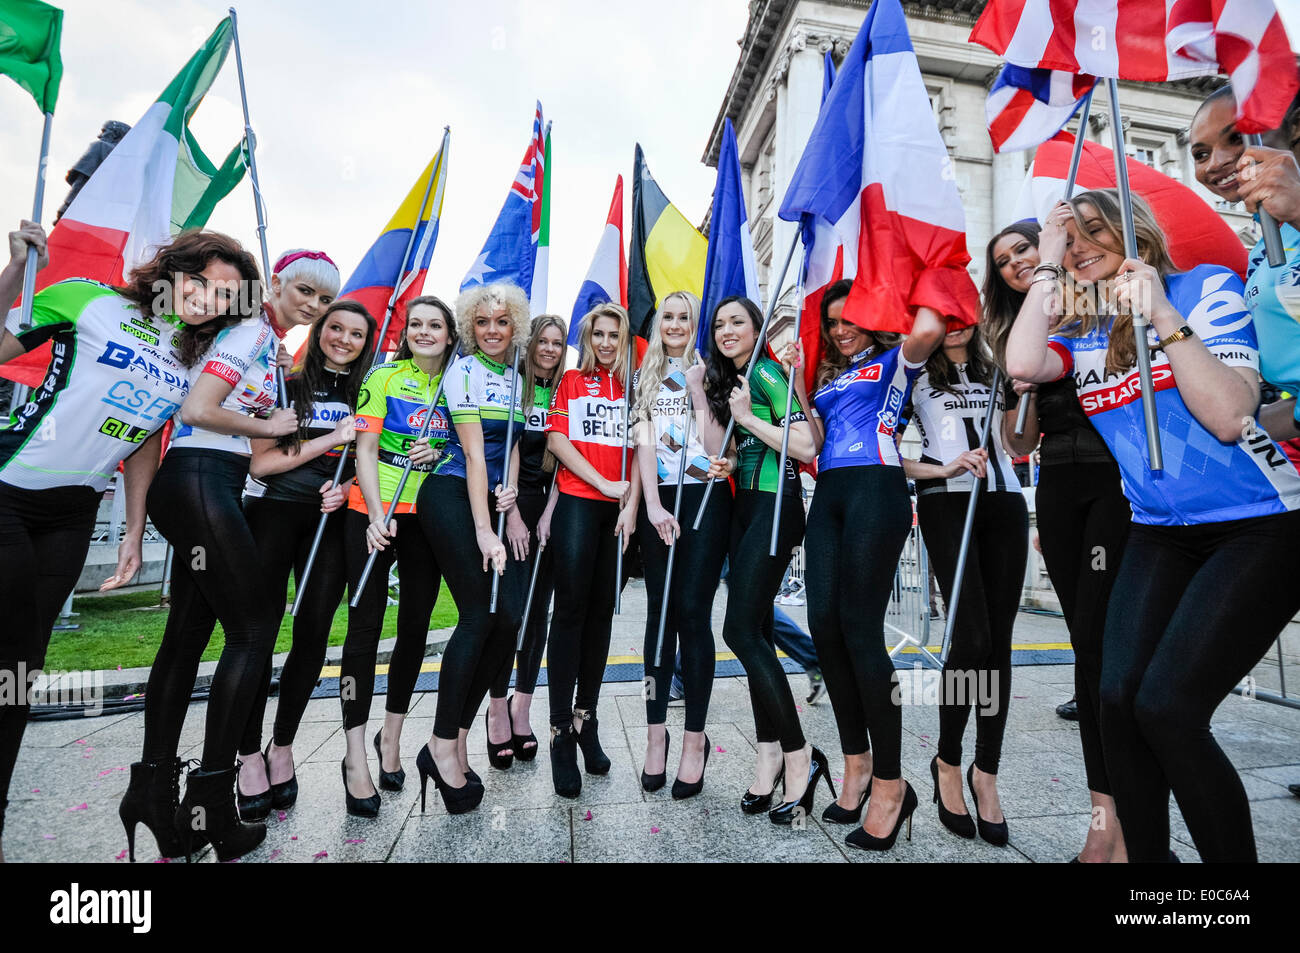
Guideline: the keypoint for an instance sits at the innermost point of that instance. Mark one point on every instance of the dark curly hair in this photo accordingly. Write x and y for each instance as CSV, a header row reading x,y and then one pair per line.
x,y
1001,302
150,286
721,373
304,384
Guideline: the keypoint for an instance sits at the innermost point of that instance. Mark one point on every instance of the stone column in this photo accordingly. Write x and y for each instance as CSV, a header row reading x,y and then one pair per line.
x,y
1008,177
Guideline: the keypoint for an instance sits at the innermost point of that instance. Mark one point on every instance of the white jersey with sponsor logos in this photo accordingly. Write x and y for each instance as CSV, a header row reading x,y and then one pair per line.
x,y
950,422
1204,480
671,414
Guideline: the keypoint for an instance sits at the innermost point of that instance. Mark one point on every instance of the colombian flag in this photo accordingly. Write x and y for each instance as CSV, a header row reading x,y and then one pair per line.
x,y
667,253
385,273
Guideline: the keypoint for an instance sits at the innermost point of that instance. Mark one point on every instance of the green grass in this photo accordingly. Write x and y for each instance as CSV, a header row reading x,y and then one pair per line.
x,y
124,630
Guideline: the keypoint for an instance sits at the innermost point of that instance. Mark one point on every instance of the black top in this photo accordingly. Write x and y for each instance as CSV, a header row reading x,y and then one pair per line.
x,y
532,445
1068,434
302,484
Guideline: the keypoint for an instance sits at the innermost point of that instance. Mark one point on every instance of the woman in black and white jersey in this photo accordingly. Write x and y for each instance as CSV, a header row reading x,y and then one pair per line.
x,y
950,402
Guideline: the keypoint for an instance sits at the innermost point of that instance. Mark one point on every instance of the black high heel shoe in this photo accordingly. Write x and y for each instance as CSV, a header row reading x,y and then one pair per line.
x,y
995,834
388,780
834,814
593,756
564,761
752,803
959,824
151,799
817,769
501,762
358,806
858,837
653,782
456,800
683,790
520,742
254,807
285,794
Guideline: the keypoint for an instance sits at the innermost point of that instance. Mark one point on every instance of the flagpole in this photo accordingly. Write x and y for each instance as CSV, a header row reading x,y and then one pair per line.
x,y
282,393
532,583
505,471
622,463
38,204
1022,413
789,403
1273,246
753,359
672,549
1140,323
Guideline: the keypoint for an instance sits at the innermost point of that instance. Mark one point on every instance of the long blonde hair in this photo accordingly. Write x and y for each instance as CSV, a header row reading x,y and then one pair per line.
x,y
655,363
587,362
540,324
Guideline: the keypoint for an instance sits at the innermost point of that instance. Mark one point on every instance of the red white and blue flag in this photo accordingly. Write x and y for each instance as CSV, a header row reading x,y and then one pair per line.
x,y
904,246
1153,41
1026,107
510,252
607,277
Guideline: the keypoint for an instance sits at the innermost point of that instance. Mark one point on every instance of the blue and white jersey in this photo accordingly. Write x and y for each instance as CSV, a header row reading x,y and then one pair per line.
x,y
860,410
242,355
1204,480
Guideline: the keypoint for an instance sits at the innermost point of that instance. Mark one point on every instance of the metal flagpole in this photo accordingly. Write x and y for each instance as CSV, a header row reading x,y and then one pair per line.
x,y
753,359
505,471
282,395
38,204
429,410
1022,414
1140,322
789,403
622,463
951,620
532,583
672,550
1273,246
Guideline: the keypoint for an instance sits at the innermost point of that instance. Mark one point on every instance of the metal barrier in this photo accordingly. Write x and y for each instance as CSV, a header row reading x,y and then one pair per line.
x,y
909,610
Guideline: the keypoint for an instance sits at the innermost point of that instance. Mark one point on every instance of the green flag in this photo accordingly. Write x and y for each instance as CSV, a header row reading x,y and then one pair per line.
x,y
29,48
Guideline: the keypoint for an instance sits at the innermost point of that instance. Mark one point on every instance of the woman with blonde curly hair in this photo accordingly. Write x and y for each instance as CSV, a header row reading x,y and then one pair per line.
x,y
457,514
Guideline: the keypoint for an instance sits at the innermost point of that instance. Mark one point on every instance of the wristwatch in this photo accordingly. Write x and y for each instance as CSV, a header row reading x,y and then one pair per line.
x,y
1184,332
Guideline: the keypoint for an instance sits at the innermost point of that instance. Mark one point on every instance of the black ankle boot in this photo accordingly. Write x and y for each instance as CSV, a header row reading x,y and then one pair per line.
x,y
151,799
207,816
564,761
593,756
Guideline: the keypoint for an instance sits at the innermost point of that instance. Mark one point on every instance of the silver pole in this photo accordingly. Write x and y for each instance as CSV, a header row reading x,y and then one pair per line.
x,y
1140,323
622,465
789,403
1273,246
1022,414
532,583
38,204
753,359
505,471
672,550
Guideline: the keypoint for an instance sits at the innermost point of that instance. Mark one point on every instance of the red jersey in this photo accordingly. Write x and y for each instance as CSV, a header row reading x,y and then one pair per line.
x,y
588,409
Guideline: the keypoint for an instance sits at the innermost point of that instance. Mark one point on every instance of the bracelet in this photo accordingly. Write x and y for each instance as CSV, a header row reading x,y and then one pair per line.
x,y
1045,277
1053,267
1181,334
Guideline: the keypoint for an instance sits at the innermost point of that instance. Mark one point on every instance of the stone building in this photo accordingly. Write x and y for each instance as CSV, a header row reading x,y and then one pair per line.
x,y
775,92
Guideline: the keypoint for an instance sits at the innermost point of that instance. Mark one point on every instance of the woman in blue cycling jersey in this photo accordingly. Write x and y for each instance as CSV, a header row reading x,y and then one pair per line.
x,y
1205,583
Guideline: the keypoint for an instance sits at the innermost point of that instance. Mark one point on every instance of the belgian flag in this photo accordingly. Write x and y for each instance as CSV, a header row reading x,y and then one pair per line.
x,y
667,252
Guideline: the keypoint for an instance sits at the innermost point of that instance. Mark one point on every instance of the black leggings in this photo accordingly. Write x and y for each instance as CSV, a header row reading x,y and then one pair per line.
x,y
857,526
483,641
1193,610
419,580
529,662
978,668
1083,523
44,538
217,575
697,567
284,532
753,580
583,541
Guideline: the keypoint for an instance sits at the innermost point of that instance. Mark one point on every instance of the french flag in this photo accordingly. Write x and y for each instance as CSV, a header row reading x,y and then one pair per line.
x,y
607,277
880,176
1026,107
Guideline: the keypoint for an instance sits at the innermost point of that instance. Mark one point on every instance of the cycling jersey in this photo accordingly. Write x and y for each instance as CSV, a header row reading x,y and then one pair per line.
x,y
392,403
1273,295
950,423
756,464
243,356
302,484
478,392
1204,479
670,412
532,444
114,378
861,407
589,410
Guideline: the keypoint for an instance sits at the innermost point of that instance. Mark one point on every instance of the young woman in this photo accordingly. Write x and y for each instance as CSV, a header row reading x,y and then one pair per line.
x,y
673,418
290,484
136,348
194,502
951,401
390,415
1204,586
456,511
544,360
860,517
757,402
595,511
1083,521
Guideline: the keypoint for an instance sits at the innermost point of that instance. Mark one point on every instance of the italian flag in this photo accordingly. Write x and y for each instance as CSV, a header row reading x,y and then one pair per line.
x,y
155,183
542,265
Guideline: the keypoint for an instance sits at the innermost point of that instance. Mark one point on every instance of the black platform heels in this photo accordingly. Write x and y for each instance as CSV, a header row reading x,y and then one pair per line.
x,y
653,782
456,800
959,824
859,838
817,769
525,745
285,794
593,755
752,803
151,799
388,780
254,807
995,834
495,749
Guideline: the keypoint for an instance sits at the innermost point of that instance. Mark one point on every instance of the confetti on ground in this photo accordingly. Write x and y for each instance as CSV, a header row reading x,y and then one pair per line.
x,y
925,736
320,854
276,853
36,790
720,749
280,815
588,817
49,837
355,840
119,668
80,741
122,855
654,830
294,837
83,806
1057,780
1019,696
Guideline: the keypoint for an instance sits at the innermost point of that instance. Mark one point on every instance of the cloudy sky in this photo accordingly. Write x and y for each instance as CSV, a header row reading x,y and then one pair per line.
x,y
349,99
